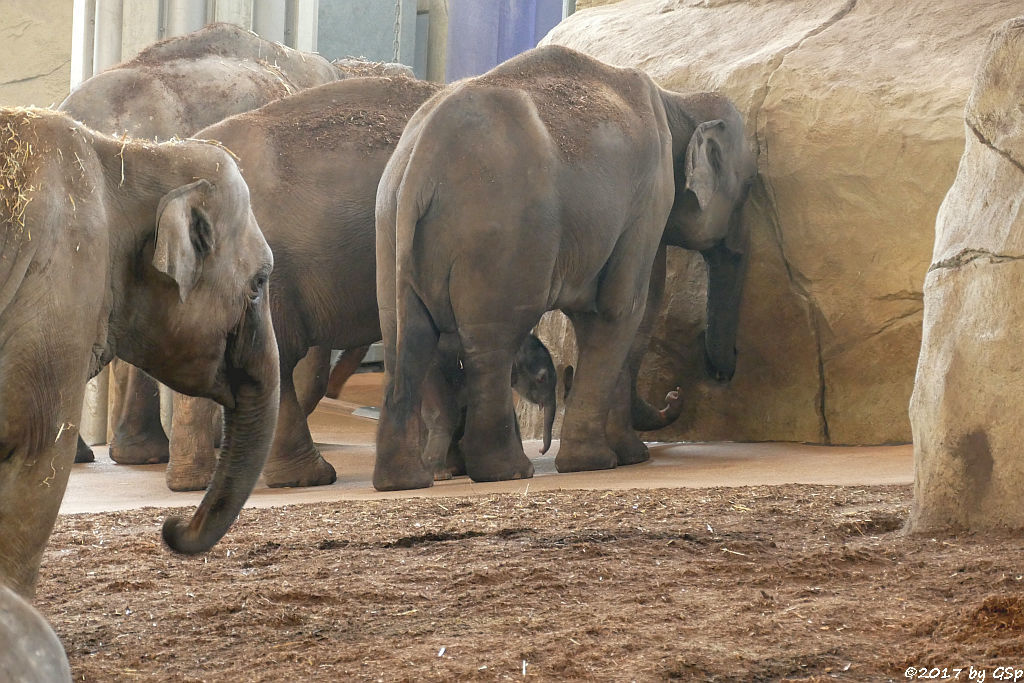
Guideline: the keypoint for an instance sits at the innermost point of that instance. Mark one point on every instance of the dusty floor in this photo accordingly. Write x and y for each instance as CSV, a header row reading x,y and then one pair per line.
x,y
723,583
346,440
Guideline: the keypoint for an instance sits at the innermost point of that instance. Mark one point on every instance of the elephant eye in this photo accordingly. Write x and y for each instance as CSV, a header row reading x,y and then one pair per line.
x,y
256,286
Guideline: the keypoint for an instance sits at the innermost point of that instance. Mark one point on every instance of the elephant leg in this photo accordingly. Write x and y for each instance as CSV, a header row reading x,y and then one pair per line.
x,y
399,464
439,410
38,432
83,453
294,459
195,430
139,438
598,385
346,366
492,449
310,377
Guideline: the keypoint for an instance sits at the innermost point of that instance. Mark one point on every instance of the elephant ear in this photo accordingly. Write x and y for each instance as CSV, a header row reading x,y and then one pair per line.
x,y
184,235
704,161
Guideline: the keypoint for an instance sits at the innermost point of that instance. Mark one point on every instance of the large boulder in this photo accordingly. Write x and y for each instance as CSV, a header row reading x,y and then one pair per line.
x,y
969,392
855,107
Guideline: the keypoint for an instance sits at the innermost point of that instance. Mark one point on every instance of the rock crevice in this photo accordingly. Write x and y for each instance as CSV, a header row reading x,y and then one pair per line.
x,y
974,128
966,256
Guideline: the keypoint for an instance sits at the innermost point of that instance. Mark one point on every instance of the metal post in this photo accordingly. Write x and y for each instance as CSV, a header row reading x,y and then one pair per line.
x,y
107,46
83,33
184,16
269,18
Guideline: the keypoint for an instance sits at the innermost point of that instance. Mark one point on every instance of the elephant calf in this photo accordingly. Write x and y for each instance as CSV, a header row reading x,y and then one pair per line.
x,y
146,251
444,407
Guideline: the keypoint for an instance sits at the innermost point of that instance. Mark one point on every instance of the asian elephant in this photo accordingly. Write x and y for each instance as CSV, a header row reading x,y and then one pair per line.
x,y
174,88
553,181
32,653
444,410
312,162
148,252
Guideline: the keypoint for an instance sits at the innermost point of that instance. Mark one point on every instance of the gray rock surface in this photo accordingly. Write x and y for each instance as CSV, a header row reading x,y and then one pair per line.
x,y
969,392
856,107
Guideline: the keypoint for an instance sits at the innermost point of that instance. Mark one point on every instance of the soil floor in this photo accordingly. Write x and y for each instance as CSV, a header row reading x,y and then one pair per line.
x,y
638,579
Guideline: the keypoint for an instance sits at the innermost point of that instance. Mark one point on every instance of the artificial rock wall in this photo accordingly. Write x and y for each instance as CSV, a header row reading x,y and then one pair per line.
x,y
36,63
969,392
855,107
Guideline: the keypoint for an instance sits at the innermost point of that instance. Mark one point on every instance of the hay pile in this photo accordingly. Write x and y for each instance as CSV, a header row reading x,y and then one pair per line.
x,y
17,135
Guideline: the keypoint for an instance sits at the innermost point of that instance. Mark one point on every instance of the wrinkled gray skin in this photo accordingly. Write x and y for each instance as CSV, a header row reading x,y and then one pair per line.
x,y
578,175
174,88
645,417
31,651
312,165
444,409
147,252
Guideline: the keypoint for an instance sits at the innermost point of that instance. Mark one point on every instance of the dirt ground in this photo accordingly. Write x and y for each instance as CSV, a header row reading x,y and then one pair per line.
x,y
752,583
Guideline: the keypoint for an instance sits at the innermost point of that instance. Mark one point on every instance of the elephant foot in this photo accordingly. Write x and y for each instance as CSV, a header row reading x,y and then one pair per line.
x,y
192,473
584,456
296,472
499,466
454,465
631,451
402,480
148,450
84,453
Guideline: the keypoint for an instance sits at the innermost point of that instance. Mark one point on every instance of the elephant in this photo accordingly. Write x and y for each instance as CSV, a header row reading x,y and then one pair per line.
x,y
444,411
345,367
312,162
553,181
645,417
174,88
32,652
147,252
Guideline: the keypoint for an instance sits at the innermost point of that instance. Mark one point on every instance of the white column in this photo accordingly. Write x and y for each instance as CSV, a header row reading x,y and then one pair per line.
x,y
106,53
238,12
568,7
140,26
437,41
93,425
83,32
269,18
302,24
107,46
184,16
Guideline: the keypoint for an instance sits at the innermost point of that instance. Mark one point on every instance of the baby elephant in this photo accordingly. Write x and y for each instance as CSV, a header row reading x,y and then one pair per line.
x,y
31,652
444,404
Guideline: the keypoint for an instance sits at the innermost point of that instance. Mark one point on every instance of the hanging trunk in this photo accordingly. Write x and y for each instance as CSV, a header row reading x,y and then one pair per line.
x,y
248,433
549,422
727,270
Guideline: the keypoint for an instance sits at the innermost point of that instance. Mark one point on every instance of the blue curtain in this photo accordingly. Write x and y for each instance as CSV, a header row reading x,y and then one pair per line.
x,y
484,33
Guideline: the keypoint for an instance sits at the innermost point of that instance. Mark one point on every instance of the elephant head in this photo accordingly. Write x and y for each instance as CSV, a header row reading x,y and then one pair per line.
x,y
714,170
196,316
535,379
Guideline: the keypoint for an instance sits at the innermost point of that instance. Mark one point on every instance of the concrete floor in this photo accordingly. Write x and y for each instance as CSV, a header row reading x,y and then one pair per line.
x,y
346,440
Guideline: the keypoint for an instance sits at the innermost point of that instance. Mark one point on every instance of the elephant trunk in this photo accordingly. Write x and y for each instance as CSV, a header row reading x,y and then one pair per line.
x,y
549,421
248,433
727,269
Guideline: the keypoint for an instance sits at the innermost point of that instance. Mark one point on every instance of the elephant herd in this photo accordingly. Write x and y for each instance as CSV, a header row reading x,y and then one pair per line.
x,y
292,209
